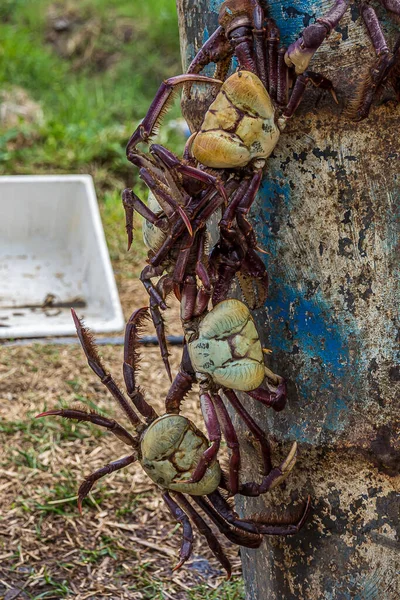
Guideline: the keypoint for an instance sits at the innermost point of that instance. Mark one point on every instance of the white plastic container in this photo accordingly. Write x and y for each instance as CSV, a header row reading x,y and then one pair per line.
x,y
53,255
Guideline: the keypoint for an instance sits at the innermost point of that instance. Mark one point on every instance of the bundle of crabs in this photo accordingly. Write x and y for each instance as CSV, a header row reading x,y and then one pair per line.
x,y
220,172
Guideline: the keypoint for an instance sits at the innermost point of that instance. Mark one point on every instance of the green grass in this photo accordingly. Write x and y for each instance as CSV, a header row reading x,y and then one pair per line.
x,y
90,106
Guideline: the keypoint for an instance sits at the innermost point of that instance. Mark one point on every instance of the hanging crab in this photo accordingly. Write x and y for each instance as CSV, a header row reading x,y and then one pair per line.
x,y
168,447
223,352
175,252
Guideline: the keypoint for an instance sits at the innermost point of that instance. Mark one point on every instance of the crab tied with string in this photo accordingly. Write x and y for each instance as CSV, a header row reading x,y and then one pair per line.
x,y
169,447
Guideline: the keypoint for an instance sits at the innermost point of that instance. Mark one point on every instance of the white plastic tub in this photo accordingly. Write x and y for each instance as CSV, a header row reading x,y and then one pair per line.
x,y
53,255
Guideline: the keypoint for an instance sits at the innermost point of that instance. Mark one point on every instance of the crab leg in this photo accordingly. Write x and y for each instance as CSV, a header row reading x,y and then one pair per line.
x,y
223,508
286,529
205,530
272,51
89,347
217,48
300,86
259,39
181,385
360,104
172,162
91,479
131,359
275,399
274,478
91,417
131,203
253,525
239,537
159,105
254,428
164,287
187,538
214,436
231,441
300,53
392,5
168,203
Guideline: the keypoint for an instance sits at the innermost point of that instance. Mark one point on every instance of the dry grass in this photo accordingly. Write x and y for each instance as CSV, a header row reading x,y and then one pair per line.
x,y
126,543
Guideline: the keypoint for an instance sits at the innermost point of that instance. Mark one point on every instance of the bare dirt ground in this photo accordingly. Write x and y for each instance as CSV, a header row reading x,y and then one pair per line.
x,y
126,543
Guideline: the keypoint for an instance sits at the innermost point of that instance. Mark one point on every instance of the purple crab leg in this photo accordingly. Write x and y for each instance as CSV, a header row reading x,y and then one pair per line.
x,y
91,479
257,432
236,536
93,358
232,442
91,417
214,436
217,48
159,105
172,162
205,530
131,203
187,538
300,53
181,385
282,79
392,5
165,198
359,106
259,44
284,529
272,50
131,360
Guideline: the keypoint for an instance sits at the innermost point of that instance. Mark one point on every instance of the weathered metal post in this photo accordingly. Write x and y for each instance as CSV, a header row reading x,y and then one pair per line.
x,y
326,217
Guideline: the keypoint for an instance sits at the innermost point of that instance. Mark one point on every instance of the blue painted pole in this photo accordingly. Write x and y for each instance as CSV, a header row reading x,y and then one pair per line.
x,y
326,218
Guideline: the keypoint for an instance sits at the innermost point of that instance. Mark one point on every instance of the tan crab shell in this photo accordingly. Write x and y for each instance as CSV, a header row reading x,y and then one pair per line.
x,y
239,126
171,449
153,237
228,348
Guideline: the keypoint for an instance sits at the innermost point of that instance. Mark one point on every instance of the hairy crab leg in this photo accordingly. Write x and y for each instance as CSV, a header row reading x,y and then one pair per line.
x,y
93,358
92,417
91,479
164,288
187,536
131,360
159,105
205,530
236,536
181,385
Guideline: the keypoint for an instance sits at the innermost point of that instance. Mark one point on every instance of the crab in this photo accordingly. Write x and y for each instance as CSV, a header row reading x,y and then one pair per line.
x,y
175,252
223,353
168,447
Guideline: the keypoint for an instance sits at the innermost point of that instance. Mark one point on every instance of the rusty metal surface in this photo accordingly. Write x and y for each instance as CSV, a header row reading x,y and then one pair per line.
x,y
326,215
